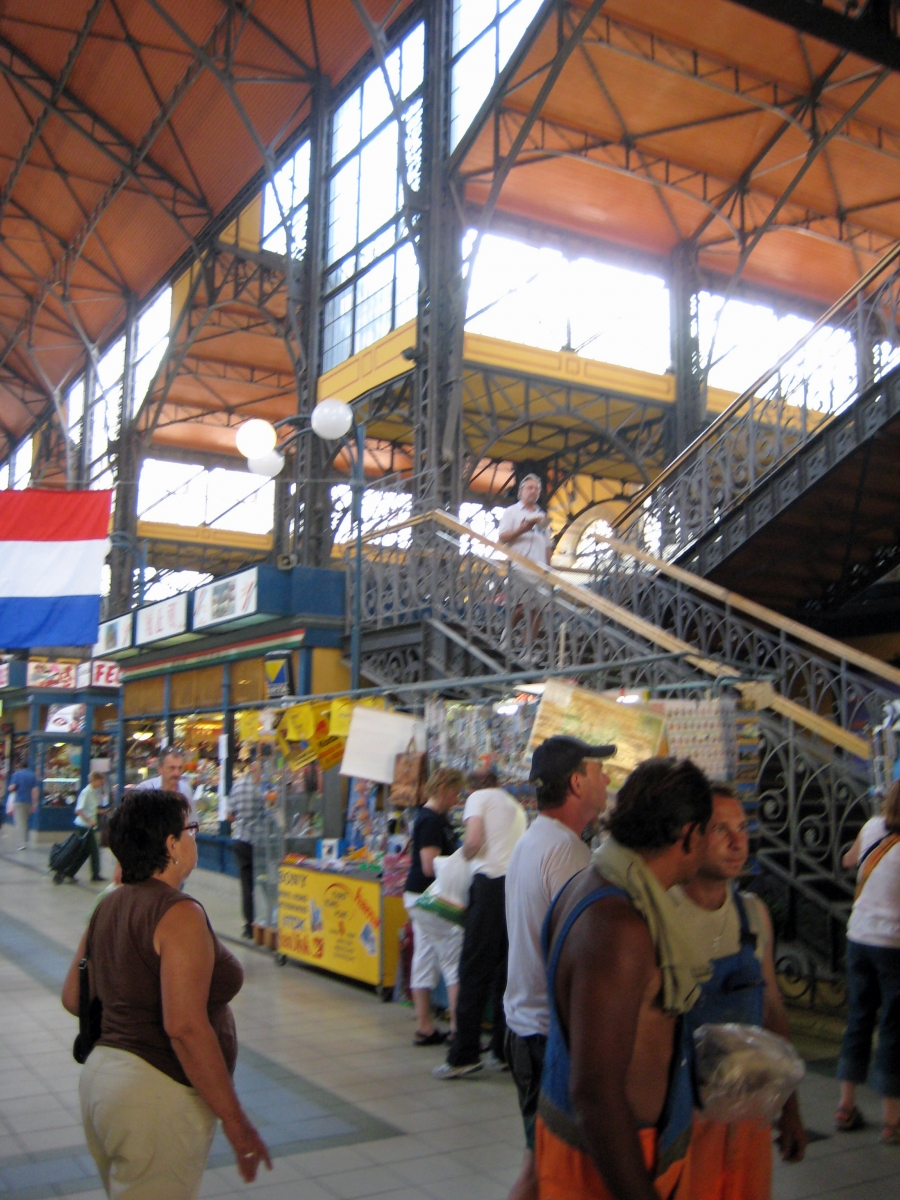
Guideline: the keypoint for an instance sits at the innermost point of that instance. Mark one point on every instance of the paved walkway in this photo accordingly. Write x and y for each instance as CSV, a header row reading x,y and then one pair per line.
x,y
347,1104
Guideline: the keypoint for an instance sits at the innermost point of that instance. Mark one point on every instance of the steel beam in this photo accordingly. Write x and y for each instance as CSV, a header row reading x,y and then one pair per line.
x,y
554,139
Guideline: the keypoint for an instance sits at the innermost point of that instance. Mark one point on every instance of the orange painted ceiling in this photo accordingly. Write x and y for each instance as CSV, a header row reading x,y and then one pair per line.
x,y
676,120
119,143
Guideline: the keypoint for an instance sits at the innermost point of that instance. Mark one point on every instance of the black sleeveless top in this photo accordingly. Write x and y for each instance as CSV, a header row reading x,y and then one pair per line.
x,y
125,975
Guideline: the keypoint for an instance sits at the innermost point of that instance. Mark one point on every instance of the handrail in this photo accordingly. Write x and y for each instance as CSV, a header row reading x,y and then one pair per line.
x,y
796,629
761,694
748,394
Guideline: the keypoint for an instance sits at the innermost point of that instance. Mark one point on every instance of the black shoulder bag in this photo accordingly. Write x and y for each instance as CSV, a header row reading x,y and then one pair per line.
x,y
90,1014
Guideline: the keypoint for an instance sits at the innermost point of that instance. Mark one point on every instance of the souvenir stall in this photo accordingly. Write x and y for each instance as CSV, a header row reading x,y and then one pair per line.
x,y
342,909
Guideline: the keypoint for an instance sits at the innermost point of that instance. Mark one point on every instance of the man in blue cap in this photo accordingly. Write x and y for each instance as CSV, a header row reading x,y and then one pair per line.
x,y
571,794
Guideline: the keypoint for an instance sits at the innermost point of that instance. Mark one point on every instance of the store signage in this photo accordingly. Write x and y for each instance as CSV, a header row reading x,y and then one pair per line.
x,y
4,675
279,669
164,620
331,922
51,675
227,599
114,635
66,718
99,674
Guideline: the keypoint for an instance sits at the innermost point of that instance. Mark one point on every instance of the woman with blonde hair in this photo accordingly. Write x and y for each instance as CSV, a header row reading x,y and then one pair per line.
x,y
873,972
437,944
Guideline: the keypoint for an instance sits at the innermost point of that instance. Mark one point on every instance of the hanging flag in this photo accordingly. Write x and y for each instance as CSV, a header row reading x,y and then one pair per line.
x,y
52,548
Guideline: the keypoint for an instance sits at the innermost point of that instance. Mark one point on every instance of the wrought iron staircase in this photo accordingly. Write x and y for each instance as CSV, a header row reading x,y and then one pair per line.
x,y
451,605
781,496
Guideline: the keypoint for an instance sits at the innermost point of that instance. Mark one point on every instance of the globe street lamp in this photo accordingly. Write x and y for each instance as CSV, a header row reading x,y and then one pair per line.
x,y
330,420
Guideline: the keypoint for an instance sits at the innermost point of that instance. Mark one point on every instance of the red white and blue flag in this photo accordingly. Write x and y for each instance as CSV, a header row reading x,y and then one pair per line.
x,y
52,548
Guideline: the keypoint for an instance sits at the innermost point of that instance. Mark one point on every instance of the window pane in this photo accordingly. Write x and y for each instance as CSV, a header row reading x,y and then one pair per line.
x,y
376,103
407,293
413,146
111,365
75,408
374,304
345,127
153,323
337,336
378,181
413,50
21,465
342,210
513,26
470,17
4,476
473,76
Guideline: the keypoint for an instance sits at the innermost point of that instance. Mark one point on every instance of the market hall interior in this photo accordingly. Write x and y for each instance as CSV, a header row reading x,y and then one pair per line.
x,y
346,1103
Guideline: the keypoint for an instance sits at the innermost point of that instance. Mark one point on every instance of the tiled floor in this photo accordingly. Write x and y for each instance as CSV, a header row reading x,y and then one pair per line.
x,y
347,1104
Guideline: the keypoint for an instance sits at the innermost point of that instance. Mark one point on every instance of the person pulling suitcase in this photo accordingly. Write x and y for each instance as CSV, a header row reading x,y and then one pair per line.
x,y
83,842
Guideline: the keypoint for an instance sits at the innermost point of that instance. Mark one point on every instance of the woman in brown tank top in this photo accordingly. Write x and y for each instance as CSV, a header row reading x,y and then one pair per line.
x,y
159,1078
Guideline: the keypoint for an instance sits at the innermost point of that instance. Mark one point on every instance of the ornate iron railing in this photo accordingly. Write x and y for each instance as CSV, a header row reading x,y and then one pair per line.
x,y
814,794
821,674
805,389
511,620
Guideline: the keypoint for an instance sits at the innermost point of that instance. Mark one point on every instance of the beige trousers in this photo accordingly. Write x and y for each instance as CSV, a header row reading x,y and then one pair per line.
x,y
148,1135
21,813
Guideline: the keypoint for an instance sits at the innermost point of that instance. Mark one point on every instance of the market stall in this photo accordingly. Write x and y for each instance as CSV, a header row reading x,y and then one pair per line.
x,y
341,921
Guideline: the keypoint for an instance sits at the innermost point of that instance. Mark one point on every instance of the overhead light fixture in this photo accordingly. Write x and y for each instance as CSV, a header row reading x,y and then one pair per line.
x,y
331,419
267,464
256,438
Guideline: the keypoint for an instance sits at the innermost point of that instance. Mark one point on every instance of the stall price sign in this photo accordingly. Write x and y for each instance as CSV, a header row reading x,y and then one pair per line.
x,y
330,921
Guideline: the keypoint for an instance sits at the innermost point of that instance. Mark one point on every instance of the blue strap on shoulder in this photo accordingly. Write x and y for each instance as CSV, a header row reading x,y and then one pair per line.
x,y
584,903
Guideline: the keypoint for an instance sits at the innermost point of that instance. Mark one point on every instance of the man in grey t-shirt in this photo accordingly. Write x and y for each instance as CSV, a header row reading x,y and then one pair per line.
x,y
571,794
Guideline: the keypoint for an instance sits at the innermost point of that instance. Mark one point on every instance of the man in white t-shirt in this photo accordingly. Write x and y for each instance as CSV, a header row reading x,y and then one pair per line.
x,y
571,795
523,526
170,777
493,822
90,799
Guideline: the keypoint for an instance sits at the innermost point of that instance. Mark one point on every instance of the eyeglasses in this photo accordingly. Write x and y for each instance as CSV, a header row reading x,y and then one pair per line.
x,y
192,828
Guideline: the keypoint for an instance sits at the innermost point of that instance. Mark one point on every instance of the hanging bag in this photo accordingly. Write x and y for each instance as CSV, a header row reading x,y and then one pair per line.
x,y
90,1014
410,770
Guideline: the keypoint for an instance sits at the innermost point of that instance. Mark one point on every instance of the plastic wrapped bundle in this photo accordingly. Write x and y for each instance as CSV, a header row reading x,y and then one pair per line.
x,y
745,1073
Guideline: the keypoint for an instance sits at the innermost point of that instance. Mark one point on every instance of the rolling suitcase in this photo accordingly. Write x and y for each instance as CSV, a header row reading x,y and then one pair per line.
x,y
67,858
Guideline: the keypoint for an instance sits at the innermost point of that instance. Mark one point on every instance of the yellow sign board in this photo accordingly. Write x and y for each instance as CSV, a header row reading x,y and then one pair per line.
x,y
341,712
331,921
300,723
582,713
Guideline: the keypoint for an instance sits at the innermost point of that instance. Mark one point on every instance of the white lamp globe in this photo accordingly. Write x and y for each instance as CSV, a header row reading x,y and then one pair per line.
x,y
331,419
267,464
256,438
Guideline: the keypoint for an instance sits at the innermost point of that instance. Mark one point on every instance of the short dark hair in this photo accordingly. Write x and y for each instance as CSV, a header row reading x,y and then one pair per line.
x,y
487,777
657,800
139,828
553,793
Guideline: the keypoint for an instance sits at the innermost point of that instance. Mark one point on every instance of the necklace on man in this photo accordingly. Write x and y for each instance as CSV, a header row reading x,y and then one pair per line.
x,y
718,937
